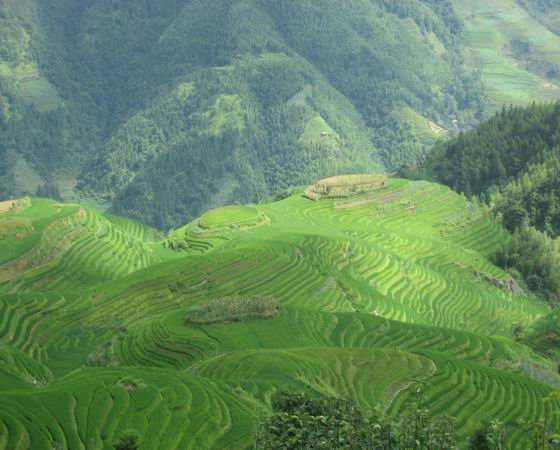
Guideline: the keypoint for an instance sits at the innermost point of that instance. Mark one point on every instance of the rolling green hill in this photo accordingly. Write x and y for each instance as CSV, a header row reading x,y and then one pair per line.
x,y
118,103
381,293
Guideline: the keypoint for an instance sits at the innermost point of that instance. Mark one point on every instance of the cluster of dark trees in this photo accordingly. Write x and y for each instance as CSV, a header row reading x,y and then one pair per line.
x,y
545,335
534,258
532,197
486,158
300,421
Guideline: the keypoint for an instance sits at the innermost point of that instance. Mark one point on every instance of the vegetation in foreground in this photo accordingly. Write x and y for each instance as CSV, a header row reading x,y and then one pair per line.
x,y
300,422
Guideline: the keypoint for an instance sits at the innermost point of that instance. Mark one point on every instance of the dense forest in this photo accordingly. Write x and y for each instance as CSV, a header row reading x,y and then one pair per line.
x,y
486,158
161,110
512,162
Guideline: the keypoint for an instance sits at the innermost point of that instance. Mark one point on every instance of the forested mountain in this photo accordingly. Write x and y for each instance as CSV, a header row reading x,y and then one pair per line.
x,y
546,11
160,110
163,109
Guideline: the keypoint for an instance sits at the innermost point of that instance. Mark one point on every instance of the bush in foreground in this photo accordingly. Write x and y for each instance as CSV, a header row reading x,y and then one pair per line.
x,y
301,422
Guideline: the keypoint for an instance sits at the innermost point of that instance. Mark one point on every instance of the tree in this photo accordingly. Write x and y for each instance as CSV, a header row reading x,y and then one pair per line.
x,y
490,436
300,421
128,441
534,257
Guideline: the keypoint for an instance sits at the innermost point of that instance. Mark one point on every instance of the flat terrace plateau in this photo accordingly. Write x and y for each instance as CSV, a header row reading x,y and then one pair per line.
x,y
346,186
375,296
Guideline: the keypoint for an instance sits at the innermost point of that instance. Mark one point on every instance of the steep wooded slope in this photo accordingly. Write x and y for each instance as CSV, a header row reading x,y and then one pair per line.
x,y
229,100
235,100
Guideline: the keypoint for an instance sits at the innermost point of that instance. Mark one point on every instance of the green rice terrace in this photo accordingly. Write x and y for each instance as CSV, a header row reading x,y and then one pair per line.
x,y
376,293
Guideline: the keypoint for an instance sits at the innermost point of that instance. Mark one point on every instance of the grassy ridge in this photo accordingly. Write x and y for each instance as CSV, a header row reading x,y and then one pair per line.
x,y
93,408
379,294
67,246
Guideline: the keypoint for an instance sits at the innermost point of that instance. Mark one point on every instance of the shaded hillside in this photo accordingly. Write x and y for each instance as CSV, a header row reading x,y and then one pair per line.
x,y
164,110
515,46
546,11
512,159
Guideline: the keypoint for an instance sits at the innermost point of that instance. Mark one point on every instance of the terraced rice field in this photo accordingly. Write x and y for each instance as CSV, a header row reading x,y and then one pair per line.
x,y
512,73
381,295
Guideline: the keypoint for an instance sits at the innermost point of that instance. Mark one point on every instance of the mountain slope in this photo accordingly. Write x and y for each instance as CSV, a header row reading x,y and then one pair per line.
x,y
512,164
67,246
222,97
381,291
516,47
512,160
122,101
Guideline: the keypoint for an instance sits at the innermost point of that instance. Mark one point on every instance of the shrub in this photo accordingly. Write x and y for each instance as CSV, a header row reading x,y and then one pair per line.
x,y
490,436
345,186
299,421
129,441
233,309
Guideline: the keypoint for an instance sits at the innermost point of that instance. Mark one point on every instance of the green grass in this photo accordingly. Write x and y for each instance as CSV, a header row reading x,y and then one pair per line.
x,y
94,408
204,233
35,89
424,128
38,216
69,246
227,112
228,215
317,129
378,295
